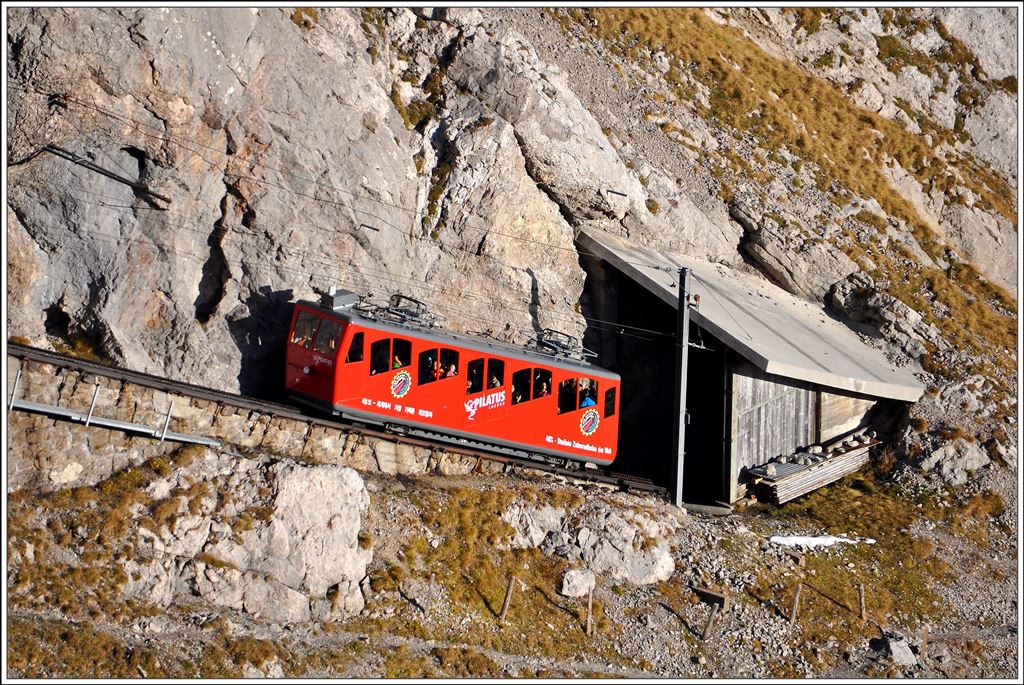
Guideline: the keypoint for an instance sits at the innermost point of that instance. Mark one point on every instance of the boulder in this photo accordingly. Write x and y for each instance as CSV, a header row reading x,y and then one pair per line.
x,y
623,545
220,585
857,298
900,652
577,583
805,269
309,541
532,524
956,461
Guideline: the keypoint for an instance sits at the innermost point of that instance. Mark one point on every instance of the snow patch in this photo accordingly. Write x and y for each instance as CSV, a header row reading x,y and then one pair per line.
x,y
811,542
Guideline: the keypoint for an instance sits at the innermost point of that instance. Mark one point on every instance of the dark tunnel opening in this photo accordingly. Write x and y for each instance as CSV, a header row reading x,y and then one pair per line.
x,y
646,362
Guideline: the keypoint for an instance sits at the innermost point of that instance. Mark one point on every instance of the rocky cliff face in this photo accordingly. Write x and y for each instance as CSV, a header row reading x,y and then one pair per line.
x,y
451,154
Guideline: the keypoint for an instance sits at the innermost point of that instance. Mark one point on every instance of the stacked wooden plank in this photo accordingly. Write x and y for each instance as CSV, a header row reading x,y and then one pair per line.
x,y
782,482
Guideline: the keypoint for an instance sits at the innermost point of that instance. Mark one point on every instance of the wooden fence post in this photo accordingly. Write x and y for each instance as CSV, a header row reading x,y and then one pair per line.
x,y
508,598
711,619
863,607
433,592
796,603
590,609
922,649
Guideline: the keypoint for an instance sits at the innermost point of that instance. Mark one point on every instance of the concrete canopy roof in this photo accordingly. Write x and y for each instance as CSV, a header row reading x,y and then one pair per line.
x,y
776,331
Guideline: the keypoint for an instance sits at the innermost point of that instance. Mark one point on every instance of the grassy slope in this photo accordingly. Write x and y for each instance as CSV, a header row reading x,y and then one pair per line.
x,y
783,106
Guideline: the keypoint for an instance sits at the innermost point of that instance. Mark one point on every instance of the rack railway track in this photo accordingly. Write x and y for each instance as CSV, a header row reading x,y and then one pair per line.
x,y
286,411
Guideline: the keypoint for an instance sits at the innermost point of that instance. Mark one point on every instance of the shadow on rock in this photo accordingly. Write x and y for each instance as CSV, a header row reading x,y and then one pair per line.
x,y
259,329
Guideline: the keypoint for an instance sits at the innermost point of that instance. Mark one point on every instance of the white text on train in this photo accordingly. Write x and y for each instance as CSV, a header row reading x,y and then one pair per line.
x,y
495,399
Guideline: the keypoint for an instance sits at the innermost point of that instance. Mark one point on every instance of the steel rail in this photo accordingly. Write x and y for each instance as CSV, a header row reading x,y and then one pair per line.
x,y
285,411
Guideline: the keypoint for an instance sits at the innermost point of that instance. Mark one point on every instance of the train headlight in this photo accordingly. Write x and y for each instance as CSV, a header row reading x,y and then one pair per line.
x,y
305,370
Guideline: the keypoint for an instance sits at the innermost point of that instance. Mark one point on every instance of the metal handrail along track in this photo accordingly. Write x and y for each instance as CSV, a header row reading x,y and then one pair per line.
x,y
289,412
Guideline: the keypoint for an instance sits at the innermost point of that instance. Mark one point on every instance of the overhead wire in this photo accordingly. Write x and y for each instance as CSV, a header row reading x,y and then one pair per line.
x,y
102,152
618,327
175,139
306,255
708,289
408,281
397,281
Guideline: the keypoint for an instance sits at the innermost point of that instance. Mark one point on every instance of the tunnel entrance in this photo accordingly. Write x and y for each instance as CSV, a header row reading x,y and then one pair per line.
x,y
705,470
769,376
642,351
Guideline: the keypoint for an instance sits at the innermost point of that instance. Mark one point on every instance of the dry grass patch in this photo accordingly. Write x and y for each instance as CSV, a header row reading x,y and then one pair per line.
x,y
95,523
472,563
400,663
810,116
899,571
973,519
81,347
818,122
59,649
458,662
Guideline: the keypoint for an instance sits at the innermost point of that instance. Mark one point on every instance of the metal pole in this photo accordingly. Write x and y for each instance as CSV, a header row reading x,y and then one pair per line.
x,y
682,353
167,420
17,379
92,405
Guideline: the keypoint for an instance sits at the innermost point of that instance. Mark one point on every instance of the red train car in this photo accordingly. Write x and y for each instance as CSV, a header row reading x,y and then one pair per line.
x,y
449,387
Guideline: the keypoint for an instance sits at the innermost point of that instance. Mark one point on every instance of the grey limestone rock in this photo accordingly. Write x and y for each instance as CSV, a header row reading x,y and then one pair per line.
x,y
577,583
629,546
299,555
274,601
900,652
956,461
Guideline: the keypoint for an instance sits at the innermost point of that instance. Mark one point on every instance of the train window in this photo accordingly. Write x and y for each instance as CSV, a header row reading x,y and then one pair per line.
x,y
449,363
567,395
355,349
305,329
380,352
402,352
588,392
430,367
475,376
327,337
495,373
521,386
541,383
609,402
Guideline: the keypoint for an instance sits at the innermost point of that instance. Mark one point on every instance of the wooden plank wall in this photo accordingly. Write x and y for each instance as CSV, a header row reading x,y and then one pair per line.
x,y
771,416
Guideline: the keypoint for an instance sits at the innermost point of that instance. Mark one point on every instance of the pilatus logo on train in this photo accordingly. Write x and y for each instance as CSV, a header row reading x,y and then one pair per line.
x,y
400,384
320,359
495,399
589,421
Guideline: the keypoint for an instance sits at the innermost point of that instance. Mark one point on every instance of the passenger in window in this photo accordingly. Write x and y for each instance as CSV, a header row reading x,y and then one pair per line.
x,y
544,392
587,400
396,363
452,371
493,382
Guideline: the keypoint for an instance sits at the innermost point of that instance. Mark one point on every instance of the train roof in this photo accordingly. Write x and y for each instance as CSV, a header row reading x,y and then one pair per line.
x,y
465,341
